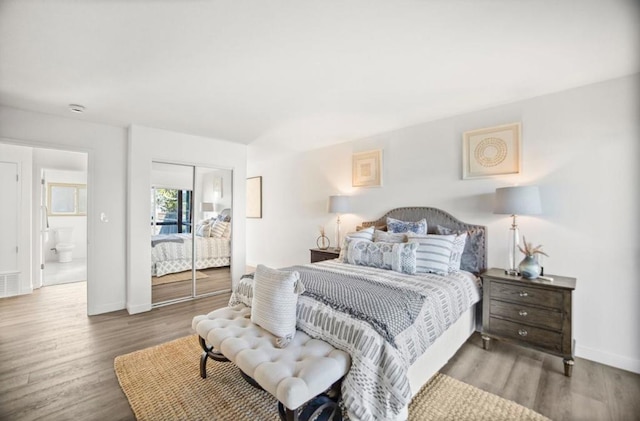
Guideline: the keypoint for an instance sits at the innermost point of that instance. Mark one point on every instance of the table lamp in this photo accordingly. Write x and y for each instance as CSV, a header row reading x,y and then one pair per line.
x,y
517,200
338,205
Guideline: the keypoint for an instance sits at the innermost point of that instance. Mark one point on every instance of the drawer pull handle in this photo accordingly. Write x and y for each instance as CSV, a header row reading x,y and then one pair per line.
x,y
524,294
523,313
522,332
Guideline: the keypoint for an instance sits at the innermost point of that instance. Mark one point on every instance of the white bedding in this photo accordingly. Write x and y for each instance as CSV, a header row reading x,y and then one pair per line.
x,y
172,256
379,383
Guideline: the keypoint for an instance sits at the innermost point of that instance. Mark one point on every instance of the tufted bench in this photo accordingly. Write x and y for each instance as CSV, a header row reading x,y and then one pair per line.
x,y
295,375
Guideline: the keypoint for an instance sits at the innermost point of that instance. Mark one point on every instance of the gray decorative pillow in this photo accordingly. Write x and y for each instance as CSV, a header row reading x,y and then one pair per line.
x,y
275,297
396,225
434,252
399,257
472,248
365,234
389,237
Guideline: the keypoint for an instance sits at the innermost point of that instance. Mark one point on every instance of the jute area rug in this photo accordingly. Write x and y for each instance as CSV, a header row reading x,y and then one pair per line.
x,y
176,277
163,383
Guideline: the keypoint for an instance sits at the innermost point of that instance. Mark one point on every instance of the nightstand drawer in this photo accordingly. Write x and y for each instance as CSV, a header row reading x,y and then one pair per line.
x,y
519,313
538,337
319,255
526,295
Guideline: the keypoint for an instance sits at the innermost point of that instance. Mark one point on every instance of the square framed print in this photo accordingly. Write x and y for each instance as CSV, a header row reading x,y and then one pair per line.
x,y
492,151
254,197
367,169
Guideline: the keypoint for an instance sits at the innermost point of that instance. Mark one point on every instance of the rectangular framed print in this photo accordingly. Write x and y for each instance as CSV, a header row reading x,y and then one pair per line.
x,y
254,197
367,169
491,151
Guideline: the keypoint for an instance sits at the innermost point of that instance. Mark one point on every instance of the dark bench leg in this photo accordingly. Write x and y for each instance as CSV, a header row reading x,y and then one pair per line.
x,y
208,352
323,407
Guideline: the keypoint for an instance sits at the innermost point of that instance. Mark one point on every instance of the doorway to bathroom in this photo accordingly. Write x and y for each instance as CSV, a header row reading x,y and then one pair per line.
x,y
62,215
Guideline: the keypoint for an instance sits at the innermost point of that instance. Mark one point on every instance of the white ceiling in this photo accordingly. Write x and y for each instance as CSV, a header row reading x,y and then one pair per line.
x,y
299,73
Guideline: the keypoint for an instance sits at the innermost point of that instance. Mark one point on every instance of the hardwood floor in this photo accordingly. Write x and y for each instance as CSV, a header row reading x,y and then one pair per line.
x,y
57,364
536,380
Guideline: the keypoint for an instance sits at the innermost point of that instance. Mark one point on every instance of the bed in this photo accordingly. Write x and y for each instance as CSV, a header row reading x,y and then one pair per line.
x,y
399,343
172,253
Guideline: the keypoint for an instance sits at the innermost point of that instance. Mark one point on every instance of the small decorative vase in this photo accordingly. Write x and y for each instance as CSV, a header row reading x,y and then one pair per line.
x,y
322,242
529,267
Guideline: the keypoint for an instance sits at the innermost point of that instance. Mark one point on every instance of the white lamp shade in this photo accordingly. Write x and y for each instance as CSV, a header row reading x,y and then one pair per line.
x,y
339,204
518,200
206,207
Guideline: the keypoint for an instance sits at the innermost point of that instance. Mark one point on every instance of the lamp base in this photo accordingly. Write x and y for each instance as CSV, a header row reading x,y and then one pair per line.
x,y
511,272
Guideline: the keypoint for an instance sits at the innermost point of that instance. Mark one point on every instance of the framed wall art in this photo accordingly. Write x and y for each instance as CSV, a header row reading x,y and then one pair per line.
x,y
491,151
254,197
367,169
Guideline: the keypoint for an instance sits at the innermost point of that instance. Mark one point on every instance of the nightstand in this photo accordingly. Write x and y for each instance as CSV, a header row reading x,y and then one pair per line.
x,y
318,255
535,313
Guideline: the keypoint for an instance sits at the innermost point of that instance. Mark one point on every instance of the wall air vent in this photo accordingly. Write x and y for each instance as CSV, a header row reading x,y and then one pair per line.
x,y
9,284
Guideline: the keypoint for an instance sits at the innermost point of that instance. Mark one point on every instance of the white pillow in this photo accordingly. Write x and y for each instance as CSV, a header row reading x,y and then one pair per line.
x,y
204,229
364,234
275,297
389,237
456,252
434,252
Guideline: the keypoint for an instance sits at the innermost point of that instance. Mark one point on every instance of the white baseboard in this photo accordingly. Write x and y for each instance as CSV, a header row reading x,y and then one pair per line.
x,y
138,308
614,360
105,308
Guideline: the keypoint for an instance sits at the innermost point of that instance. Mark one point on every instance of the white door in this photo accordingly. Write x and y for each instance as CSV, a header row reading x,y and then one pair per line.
x,y
9,188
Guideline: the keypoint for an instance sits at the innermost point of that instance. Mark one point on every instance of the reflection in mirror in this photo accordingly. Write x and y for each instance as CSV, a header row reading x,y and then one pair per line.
x,y
190,211
213,230
171,239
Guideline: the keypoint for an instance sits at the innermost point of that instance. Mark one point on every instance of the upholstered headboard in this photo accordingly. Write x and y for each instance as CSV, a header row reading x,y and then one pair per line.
x,y
437,217
226,214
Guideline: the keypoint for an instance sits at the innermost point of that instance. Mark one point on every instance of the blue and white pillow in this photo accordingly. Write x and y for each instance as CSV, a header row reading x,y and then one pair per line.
x,y
396,225
389,237
433,253
399,257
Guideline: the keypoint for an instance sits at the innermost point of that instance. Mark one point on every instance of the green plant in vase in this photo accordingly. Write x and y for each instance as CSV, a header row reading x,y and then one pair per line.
x,y
529,267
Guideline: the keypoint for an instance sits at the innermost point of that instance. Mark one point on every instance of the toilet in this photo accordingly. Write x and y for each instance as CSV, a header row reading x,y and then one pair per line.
x,y
64,244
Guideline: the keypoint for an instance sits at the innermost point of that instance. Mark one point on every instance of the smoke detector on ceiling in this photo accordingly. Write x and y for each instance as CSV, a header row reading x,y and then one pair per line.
x,y
76,108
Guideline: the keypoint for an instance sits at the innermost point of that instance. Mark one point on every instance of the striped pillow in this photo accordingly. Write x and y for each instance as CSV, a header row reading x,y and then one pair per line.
x,y
275,298
434,252
218,229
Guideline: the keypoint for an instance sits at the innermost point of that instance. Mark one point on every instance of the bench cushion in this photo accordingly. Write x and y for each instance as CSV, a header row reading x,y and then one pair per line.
x,y
294,375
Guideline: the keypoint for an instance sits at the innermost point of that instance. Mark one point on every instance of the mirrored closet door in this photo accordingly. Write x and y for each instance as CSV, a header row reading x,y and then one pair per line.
x,y
190,231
